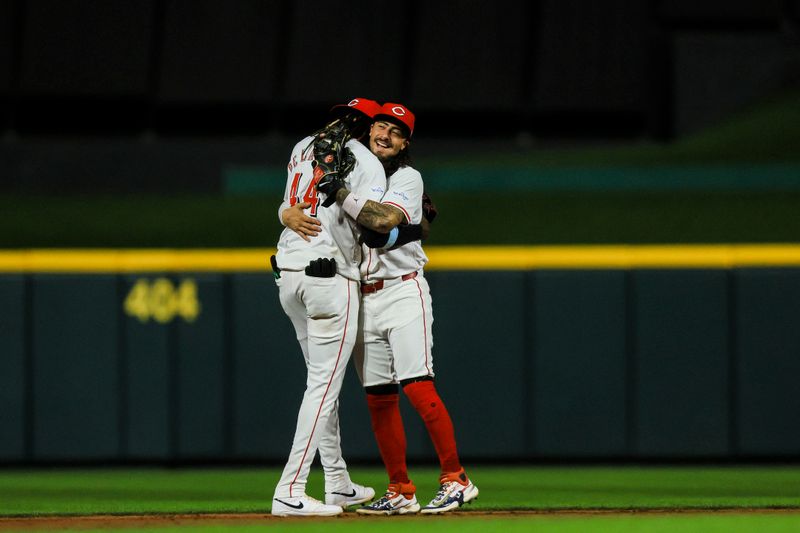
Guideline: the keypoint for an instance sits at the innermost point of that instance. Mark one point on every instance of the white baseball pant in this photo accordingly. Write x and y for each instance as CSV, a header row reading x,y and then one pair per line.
x,y
395,338
324,312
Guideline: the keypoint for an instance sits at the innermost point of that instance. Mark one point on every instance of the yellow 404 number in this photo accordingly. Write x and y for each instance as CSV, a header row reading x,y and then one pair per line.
x,y
162,301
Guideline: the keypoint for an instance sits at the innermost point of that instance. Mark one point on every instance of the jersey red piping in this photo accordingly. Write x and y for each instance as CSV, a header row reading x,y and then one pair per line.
x,y
401,208
335,366
424,324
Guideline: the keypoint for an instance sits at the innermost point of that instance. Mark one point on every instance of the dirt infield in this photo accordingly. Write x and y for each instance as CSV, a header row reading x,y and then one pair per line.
x,y
188,520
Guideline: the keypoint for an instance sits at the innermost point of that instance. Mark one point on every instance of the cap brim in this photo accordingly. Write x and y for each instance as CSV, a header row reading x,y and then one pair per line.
x,y
394,120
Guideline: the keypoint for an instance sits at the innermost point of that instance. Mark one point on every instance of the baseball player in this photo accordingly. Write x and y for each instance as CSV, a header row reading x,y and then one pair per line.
x,y
394,346
318,287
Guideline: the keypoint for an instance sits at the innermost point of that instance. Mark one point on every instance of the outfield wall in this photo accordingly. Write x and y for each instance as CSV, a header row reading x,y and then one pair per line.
x,y
541,353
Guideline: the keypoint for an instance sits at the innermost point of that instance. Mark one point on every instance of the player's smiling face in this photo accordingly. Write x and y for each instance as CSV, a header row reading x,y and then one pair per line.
x,y
386,140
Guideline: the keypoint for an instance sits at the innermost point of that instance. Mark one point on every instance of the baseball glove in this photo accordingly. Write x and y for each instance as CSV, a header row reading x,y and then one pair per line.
x,y
332,160
429,210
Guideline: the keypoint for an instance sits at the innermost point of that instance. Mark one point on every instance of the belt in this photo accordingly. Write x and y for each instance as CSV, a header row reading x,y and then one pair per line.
x,y
382,283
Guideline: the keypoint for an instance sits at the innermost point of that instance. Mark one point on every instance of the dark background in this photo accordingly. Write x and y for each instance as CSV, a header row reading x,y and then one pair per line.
x,y
158,94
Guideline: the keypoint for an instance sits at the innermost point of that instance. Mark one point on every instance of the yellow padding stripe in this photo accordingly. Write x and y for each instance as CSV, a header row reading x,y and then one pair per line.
x,y
614,257
142,260
441,258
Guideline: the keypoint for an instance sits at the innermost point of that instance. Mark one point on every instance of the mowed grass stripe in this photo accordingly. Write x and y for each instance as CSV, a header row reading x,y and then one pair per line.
x,y
145,491
465,218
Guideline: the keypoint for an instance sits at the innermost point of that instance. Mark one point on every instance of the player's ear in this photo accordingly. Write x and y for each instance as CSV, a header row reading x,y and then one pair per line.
x,y
405,144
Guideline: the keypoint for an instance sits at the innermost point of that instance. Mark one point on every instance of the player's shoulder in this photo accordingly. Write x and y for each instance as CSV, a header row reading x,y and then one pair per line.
x,y
303,144
409,171
361,151
406,174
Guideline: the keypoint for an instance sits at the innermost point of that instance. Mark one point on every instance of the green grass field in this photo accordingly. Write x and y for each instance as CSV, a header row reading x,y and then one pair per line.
x,y
730,499
526,217
766,133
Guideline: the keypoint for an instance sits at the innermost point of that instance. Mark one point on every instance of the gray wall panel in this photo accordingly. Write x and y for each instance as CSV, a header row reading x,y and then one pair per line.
x,y
768,307
579,368
567,356
12,368
147,388
269,372
478,328
682,374
201,374
75,384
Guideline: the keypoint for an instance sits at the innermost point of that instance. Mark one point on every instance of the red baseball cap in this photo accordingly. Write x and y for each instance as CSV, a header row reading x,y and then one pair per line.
x,y
365,105
398,114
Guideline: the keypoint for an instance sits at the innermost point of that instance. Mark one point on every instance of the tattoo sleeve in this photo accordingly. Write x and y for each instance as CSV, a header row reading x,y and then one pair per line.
x,y
374,215
379,217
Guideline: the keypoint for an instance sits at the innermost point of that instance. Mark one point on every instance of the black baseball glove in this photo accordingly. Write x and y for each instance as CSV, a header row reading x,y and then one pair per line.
x,y
429,210
332,160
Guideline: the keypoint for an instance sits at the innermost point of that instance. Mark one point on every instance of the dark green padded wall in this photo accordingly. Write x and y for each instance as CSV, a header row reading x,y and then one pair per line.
x,y
12,368
201,379
768,361
578,369
541,364
146,410
268,370
478,354
681,375
76,369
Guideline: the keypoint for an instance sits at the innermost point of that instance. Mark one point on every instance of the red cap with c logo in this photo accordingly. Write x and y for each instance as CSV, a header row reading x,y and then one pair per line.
x,y
398,114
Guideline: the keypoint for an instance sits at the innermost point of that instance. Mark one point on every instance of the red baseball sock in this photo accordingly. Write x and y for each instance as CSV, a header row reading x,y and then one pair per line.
x,y
384,410
426,401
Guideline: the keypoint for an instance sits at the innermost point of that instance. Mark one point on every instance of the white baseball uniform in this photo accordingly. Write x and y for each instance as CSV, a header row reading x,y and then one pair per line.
x,y
324,312
395,320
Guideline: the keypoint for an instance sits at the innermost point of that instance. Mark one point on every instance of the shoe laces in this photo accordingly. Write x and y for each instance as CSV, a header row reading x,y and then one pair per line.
x,y
444,489
383,502
391,493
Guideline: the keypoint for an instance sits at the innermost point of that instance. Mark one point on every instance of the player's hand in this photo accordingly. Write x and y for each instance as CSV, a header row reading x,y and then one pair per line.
x,y
296,220
330,185
429,210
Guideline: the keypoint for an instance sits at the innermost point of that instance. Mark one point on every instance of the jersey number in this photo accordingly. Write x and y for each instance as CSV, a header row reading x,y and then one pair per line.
x,y
310,196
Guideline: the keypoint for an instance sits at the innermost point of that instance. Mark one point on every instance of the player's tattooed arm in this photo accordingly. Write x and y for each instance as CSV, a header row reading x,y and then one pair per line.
x,y
380,217
374,215
296,220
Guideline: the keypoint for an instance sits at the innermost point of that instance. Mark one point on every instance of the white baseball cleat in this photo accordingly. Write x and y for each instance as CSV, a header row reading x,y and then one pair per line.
x,y
356,495
393,502
303,506
455,490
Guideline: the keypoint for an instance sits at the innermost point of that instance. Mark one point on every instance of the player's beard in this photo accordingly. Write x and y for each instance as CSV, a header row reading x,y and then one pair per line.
x,y
390,164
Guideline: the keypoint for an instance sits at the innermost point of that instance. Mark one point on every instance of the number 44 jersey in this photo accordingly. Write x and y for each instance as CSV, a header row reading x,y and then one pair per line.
x,y
338,238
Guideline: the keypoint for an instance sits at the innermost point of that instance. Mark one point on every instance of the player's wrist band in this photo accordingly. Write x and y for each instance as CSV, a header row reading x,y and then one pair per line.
x,y
392,237
353,205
